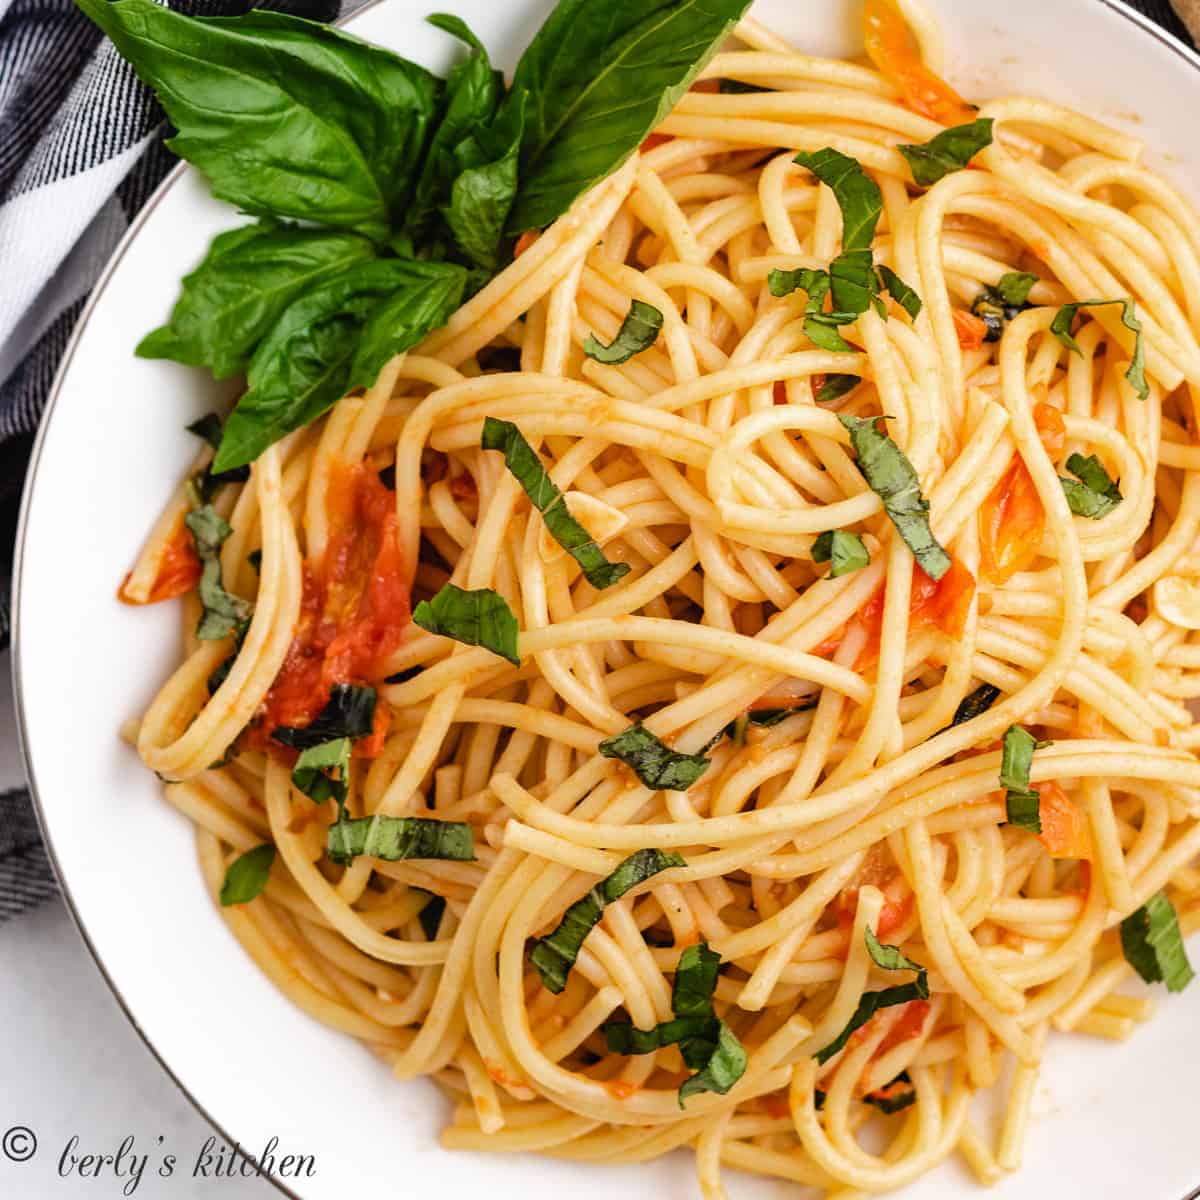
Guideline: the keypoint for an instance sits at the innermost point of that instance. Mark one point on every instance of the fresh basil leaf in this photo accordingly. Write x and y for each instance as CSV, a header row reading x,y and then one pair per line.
x,y
1096,495
1022,803
854,282
1153,945
555,954
349,713
837,386
477,618
398,839
893,1097
901,292
857,194
522,460
725,1066
600,75
949,151
655,764
207,484
285,117
331,339
766,718
248,277
815,283
975,704
224,614
431,916
1065,319
622,1037
323,772
822,330
890,959
997,306
639,331
1013,288
695,981
892,478
246,876
845,551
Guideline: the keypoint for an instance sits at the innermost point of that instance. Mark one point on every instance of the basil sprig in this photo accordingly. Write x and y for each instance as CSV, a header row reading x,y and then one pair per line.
x,y
997,306
836,386
975,704
247,875
888,958
893,479
1022,803
901,292
522,460
640,328
652,761
224,614
348,713
1153,944
819,326
475,618
1065,319
1093,493
323,772
555,954
398,839
845,552
857,194
951,150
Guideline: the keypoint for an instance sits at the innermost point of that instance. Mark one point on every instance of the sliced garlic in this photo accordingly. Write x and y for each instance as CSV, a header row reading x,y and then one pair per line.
x,y
601,520
1177,601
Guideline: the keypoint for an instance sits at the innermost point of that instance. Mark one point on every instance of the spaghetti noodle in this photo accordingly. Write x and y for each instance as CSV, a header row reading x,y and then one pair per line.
x,y
848,841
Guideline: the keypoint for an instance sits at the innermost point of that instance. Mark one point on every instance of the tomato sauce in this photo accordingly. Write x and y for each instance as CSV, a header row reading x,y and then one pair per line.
x,y
178,570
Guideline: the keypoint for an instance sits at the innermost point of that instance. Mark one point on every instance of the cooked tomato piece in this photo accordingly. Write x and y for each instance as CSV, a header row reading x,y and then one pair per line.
x,y
706,85
1065,832
178,569
910,1025
525,241
896,55
877,871
971,330
934,604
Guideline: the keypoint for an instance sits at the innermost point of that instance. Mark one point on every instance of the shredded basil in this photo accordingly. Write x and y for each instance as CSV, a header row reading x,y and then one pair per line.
x,y
555,954
855,284
1065,319
1095,495
655,764
845,552
857,194
976,704
951,150
1022,803
888,958
323,772
397,839
837,386
247,876
1153,945
888,1100
224,614
639,331
725,1066
475,618
522,460
807,279
691,1002
349,713
819,326
901,292
997,306
892,478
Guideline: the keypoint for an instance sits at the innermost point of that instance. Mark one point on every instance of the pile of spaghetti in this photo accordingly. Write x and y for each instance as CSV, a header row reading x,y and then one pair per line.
x,y
728,688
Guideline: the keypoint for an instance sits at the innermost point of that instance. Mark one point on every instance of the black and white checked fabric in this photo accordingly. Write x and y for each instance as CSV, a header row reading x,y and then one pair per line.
x,y
80,151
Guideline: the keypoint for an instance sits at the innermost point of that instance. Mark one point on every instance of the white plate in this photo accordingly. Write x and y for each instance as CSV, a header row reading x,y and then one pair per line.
x,y
1112,1121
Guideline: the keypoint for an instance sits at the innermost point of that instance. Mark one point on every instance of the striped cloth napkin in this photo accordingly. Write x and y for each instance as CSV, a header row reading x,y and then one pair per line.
x,y
81,149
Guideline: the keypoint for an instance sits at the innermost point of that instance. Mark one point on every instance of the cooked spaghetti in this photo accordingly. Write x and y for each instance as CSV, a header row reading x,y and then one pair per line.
x,y
843,752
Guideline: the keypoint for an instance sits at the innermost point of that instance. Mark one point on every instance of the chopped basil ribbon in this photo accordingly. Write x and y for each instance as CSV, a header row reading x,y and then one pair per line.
x,y
349,713
836,386
691,1002
639,331
888,958
975,704
224,614
323,772
399,838
854,283
893,1097
1022,803
477,618
1061,328
725,1066
783,283
555,954
247,875
522,460
844,551
1153,945
950,151
763,718
655,764
996,306
857,194
1095,495
901,292
820,327
892,478
206,483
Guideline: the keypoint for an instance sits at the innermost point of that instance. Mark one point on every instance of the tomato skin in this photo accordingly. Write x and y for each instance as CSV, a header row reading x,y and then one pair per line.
x,y
1065,832
934,603
971,330
894,51
178,570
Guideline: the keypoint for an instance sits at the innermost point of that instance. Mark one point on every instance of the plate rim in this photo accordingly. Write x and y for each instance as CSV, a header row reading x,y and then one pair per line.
x,y
1139,20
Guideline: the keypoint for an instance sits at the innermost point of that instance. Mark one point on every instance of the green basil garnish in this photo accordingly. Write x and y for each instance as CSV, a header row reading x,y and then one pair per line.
x,y
1065,319
901,292
723,1068
641,326
555,954
837,386
246,876
949,151
976,704
398,839
1153,944
349,713
845,552
1022,803
653,762
522,460
892,478
997,306
1095,495
475,618
224,614
857,194
323,772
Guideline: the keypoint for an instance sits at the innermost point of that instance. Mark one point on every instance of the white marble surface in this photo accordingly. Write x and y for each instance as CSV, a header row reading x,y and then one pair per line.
x,y
71,1064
